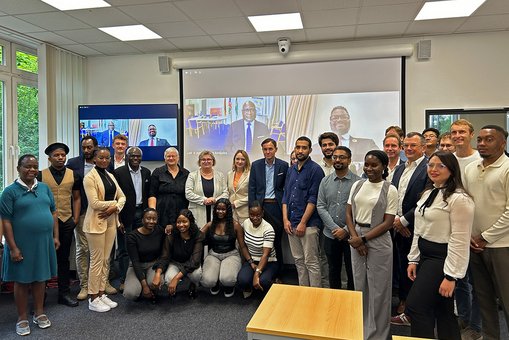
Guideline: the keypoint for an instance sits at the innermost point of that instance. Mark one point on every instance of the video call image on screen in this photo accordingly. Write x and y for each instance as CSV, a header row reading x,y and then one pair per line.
x,y
222,124
155,132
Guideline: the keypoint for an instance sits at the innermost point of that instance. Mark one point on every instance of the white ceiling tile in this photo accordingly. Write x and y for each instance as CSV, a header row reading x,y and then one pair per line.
x,y
25,6
192,43
208,9
262,7
240,39
87,36
428,27
53,21
330,33
395,29
329,18
225,25
82,50
389,13
493,7
154,13
316,5
153,45
103,17
19,25
367,3
114,48
485,23
176,29
272,37
52,38
133,2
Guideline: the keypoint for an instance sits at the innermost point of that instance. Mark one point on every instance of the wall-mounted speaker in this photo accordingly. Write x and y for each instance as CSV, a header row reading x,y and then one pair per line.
x,y
164,64
424,49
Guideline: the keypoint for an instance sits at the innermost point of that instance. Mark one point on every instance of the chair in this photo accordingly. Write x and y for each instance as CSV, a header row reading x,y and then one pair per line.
x,y
194,126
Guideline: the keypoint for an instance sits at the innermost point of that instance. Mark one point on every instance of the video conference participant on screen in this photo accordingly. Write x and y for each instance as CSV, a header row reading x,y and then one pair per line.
x,y
246,132
153,140
340,124
106,137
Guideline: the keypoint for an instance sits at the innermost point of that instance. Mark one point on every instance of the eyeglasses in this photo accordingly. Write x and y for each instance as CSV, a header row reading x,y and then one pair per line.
x,y
440,166
431,135
206,159
336,118
341,157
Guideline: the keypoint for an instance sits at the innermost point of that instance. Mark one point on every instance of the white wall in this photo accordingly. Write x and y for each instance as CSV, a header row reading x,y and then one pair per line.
x,y
465,71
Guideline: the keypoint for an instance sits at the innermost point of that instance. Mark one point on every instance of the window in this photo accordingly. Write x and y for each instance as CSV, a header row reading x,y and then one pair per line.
x,y
26,62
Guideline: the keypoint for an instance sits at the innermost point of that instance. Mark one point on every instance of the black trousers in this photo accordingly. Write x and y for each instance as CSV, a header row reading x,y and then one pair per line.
x,y
65,234
274,215
425,306
336,250
403,245
122,256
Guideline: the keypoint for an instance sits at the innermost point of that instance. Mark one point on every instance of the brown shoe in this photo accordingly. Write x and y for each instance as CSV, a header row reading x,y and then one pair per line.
x,y
401,307
110,290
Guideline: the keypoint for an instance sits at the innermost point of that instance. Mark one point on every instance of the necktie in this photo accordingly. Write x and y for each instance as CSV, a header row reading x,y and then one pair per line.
x,y
152,141
111,138
249,137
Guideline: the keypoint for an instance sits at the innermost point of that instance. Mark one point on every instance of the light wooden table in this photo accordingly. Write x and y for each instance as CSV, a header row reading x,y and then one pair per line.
x,y
399,337
294,312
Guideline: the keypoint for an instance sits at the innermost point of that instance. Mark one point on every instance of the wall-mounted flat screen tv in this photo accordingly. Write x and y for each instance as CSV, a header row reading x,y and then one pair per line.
x,y
153,127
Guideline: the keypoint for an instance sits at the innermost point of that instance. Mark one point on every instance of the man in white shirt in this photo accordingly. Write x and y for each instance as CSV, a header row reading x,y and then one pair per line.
x,y
410,179
119,145
462,133
488,181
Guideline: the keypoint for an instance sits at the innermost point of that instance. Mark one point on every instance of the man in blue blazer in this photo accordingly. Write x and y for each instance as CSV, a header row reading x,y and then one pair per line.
x,y
153,140
266,183
410,179
107,136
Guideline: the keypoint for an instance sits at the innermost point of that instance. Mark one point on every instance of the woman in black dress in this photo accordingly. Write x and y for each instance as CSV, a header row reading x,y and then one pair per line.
x,y
167,188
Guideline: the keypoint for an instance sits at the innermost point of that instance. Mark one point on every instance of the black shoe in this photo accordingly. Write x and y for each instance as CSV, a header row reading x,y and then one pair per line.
x,y
192,291
68,300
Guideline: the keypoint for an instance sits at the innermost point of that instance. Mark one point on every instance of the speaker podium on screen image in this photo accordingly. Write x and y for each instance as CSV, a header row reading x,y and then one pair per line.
x,y
153,127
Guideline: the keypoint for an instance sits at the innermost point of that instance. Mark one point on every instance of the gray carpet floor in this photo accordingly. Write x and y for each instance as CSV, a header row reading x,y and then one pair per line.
x,y
206,317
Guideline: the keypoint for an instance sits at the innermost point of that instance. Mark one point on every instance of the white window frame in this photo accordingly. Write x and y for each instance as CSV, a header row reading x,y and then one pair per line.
x,y
17,71
7,52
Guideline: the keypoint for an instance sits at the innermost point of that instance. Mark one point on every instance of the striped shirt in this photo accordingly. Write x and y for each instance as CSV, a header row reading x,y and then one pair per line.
x,y
258,238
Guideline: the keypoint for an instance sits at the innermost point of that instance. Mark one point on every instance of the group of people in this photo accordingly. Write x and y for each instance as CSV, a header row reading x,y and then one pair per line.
x,y
428,221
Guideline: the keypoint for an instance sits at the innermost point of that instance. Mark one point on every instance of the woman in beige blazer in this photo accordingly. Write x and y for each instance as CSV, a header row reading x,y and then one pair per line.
x,y
105,200
238,185
203,187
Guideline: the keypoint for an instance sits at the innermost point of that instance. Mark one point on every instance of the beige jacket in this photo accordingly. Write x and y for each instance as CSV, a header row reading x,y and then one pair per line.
x,y
239,197
94,189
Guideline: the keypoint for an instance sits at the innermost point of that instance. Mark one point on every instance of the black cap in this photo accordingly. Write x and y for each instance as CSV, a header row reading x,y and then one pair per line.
x,y
55,146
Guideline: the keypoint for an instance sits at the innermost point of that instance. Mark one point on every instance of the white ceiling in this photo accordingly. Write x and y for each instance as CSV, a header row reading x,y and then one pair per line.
x,y
187,25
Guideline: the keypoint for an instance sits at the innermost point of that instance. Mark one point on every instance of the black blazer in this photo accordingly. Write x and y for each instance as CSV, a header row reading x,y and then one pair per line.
x,y
257,180
415,187
123,177
77,164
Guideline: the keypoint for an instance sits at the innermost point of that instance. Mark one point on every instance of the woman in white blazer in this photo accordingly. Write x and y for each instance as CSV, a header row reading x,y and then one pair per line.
x,y
204,187
105,201
238,185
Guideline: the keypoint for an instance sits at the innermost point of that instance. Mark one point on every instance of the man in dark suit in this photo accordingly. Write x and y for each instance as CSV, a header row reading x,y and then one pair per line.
x,y
107,136
82,165
339,121
153,140
246,133
410,178
134,180
266,183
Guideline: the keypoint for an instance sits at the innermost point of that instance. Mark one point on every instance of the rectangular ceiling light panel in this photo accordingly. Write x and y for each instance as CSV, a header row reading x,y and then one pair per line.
x,y
130,33
448,9
276,22
68,5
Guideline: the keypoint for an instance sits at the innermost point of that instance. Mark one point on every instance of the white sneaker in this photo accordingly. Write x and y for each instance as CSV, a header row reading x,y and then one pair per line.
x,y
97,305
107,301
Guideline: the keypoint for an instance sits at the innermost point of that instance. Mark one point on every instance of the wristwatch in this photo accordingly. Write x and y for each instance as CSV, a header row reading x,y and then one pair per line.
x,y
258,270
450,278
364,239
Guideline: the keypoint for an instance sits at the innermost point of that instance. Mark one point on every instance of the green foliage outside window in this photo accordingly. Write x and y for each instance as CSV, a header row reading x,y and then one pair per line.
x,y
26,62
28,120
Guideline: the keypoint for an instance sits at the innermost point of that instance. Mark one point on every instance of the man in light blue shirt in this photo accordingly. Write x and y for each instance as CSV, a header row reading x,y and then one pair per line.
x,y
332,198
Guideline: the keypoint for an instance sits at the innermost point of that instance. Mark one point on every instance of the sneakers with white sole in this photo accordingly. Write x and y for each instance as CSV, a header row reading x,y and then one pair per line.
x,y
97,305
107,301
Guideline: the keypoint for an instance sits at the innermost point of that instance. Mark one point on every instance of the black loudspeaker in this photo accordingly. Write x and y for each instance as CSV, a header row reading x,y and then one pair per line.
x,y
164,64
424,49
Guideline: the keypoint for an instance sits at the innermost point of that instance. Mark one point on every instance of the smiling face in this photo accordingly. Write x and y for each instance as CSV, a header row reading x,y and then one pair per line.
x,y
269,151
339,121
171,158
28,169
438,172
249,111
150,220
240,162
327,147
119,146
461,135
206,162
431,139
221,210
152,131
373,168
414,148
256,216
134,158
446,144
183,224
57,158
391,147
302,150
341,160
